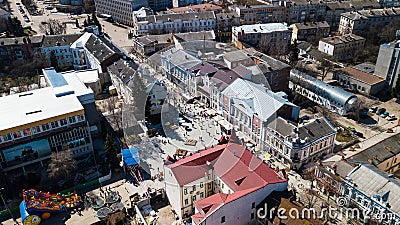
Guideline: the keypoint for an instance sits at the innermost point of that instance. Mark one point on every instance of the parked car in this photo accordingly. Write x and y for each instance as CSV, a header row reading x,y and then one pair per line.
x,y
305,117
385,114
373,109
391,117
380,111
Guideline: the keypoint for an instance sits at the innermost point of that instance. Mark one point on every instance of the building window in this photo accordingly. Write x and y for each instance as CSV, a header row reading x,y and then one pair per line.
x,y
209,186
185,191
223,219
201,185
253,205
194,198
186,202
194,187
252,216
201,195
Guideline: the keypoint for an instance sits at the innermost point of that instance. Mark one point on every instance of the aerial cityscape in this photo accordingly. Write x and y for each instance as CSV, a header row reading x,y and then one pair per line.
x,y
191,112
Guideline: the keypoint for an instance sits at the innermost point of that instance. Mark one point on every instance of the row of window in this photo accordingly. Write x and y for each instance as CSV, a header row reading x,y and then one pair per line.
x,y
41,128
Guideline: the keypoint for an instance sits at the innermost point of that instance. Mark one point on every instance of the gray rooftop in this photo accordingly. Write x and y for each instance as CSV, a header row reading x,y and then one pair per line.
x,y
180,16
379,152
316,129
370,13
354,4
372,181
311,25
61,40
270,62
98,48
255,99
20,40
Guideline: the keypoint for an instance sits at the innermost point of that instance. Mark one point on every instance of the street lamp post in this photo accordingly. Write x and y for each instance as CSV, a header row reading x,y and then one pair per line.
x,y
5,204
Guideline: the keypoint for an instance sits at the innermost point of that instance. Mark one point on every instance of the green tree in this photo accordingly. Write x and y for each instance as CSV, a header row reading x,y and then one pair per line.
x,y
111,151
62,165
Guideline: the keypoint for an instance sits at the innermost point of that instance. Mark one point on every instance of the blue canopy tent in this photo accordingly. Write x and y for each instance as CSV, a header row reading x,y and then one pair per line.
x,y
130,157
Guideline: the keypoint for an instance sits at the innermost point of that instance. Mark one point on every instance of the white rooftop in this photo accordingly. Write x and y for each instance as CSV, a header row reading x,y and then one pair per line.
x,y
69,83
88,76
33,106
261,28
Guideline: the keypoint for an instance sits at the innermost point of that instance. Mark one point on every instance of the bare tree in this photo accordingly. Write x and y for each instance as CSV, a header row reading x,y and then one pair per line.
x,y
110,106
62,165
326,67
52,27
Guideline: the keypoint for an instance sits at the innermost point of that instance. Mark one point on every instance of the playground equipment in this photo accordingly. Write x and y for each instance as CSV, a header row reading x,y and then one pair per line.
x,y
37,205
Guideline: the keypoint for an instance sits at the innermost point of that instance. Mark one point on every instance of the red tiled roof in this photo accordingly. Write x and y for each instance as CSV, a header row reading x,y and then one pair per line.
x,y
361,75
194,167
208,205
241,170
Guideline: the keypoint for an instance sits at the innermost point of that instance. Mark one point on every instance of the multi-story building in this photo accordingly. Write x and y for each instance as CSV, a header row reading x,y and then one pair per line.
x,y
60,46
374,192
388,63
59,117
120,10
250,107
359,81
24,48
385,155
330,175
304,10
273,35
225,22
207,182
251,14
389,3
122,73
149,44
175,23
310,31
334,9
78,51
359,21
332,98
297,145
341,47
276,72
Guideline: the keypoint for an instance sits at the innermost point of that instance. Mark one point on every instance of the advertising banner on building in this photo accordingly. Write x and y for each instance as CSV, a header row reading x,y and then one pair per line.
x,y
27,152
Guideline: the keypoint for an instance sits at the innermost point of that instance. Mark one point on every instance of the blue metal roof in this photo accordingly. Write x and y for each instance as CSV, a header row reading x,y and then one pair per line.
x,y
130,156
55,79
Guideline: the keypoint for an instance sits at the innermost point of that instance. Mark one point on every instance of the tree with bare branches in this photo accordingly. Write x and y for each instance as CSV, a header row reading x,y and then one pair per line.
x,y
53,27
62,165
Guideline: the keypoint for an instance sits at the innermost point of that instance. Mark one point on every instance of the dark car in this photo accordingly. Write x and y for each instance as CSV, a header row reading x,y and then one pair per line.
x,y
380,111
305,117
